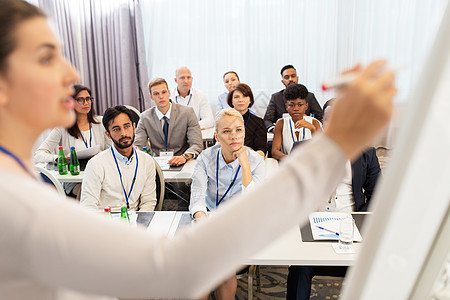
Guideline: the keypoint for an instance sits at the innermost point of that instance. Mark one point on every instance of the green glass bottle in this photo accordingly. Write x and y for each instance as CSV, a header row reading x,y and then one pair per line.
x,y
62,162
124,214
144,149
74,163
108,212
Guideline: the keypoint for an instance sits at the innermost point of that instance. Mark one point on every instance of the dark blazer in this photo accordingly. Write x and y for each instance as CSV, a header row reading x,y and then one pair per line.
x,y
277,107
255,132
365,172
184,134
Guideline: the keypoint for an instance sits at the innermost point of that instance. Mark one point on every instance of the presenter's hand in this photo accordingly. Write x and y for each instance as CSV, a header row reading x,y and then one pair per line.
x,y
363,109
177,161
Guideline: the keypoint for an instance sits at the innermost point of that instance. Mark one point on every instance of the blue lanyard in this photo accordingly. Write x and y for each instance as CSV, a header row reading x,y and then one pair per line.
x,y
217,181
246,122
90,136
10,154
292,133
189,101
120,175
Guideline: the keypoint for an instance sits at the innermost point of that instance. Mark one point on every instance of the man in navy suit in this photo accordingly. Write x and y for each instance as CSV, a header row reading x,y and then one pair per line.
x,y
363,177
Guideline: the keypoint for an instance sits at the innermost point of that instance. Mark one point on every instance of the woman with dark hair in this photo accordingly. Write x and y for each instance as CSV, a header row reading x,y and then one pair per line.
x,y
241,99
86,132
55,249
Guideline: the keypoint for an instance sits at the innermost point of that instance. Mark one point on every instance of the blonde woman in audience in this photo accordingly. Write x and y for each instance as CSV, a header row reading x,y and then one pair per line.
x,y
86,132
223,171
51,248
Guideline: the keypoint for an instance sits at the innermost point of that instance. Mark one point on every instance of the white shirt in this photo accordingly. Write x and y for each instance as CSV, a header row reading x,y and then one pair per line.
x,y
342,199
160,115
198,101
102,185
52,246
204,179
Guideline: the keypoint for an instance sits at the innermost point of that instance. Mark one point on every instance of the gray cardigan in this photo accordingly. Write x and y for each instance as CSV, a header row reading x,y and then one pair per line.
x,y
48,150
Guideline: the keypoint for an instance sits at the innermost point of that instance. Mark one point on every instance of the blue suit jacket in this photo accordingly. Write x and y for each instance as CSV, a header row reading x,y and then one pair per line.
x,y
365,172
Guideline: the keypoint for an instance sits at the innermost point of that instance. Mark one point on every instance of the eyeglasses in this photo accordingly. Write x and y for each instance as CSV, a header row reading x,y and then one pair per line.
x,y
82,100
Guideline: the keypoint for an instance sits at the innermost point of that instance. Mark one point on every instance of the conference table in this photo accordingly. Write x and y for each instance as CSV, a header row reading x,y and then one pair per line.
x,y
183,175
288,249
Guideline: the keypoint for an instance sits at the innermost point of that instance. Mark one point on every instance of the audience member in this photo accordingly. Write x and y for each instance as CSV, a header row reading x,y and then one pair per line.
x,y
186,95
352,194
277,104
169,127
297,127
222,171
241,99
86,132
230,80
121,175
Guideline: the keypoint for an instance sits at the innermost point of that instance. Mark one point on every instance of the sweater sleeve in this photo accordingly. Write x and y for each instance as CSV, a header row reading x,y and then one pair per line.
x,y
45,152
58,244
92,185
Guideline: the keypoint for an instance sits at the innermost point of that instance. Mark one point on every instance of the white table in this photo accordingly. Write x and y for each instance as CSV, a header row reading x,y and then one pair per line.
x,y
184,175
289,249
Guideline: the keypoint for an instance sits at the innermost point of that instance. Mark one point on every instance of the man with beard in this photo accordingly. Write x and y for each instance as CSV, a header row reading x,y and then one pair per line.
x,y
277,104
121,175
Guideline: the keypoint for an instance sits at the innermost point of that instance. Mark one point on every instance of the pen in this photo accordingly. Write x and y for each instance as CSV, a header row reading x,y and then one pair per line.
x,y
336,233
346,78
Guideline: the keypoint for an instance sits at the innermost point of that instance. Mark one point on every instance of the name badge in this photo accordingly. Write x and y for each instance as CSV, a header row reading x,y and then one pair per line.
x,y
166,152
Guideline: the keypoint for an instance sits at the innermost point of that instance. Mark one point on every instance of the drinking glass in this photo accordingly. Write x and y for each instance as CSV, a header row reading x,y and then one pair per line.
x,y
346,231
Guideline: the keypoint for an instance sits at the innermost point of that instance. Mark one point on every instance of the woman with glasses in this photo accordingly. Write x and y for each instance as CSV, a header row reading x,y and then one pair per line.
x,y
87,132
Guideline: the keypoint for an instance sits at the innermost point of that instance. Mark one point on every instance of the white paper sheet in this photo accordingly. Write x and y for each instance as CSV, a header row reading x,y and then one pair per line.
x,y
163,162
88,152
330,221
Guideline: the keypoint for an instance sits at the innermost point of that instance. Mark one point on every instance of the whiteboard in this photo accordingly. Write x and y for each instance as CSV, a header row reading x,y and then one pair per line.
x,y
412,201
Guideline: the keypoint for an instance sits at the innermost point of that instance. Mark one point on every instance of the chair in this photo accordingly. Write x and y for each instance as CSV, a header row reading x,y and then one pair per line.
x,y
160,186
251,272
49,178
136,113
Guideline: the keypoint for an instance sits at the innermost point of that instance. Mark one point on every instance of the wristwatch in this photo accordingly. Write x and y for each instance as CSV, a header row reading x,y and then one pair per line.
x,y
186,156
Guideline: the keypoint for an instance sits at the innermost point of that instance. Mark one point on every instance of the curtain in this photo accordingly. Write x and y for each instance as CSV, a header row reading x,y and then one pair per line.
x,y
257,38
103,39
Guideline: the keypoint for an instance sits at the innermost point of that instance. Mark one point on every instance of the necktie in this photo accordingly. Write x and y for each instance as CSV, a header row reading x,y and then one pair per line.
x,y
166,129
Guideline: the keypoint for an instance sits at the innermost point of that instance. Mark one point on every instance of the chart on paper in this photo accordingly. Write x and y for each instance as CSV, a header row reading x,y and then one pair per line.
x,y
325,226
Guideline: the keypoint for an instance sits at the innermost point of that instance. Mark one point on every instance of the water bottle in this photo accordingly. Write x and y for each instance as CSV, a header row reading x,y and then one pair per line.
x,y
144,149
108,212
74,163
124,214
62,162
